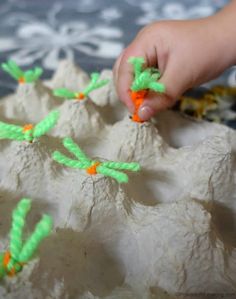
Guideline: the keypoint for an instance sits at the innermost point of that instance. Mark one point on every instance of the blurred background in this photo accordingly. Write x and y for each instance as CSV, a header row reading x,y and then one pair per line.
x,y
91,32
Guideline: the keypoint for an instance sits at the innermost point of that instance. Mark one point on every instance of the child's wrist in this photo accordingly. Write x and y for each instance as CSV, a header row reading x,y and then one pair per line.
x,y
225,29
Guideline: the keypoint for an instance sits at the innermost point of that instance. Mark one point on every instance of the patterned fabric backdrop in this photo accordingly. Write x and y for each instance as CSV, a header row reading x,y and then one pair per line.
x,y
92,32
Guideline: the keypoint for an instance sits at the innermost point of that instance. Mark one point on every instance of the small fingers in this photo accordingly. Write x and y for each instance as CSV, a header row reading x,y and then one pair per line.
x,y
124,75
176,83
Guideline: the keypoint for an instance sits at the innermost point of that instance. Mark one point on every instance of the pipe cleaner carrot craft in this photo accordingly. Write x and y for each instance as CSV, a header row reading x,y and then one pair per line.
x,y
144,80
109,168
18,74
70,95
29,132
20,253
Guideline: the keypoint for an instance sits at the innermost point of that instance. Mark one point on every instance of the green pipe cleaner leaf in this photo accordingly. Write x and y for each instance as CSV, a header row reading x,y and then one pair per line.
x,y
46,124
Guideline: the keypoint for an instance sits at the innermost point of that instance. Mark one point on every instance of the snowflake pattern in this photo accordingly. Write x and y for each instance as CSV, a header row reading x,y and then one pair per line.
x,y
48,41
110,14
174,11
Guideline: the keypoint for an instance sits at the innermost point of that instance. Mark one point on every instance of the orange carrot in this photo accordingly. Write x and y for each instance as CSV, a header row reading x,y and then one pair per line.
x,y
137,98
93,169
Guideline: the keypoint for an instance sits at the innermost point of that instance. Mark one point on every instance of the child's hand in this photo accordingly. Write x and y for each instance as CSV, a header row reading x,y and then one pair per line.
x,y
187,53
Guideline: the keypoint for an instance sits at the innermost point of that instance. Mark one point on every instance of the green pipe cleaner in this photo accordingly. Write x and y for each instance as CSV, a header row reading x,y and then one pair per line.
x,y
17,73
145,79
109,168
29,132
12,261
42,230
93,84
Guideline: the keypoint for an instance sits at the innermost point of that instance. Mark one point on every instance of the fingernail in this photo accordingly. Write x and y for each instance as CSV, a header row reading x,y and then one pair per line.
x,y
145,112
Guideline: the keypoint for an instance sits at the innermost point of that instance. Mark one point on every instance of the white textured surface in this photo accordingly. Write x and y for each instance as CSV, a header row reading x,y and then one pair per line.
x,y
170,228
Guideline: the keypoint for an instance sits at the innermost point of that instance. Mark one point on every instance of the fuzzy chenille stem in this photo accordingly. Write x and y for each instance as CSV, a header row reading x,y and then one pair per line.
x,y
10,128
62,159
64,93
22,77
117,175
94,84
13,69
12,261
133,166
145,79
42,230
18,223
93,167
74,149
80,95
46,124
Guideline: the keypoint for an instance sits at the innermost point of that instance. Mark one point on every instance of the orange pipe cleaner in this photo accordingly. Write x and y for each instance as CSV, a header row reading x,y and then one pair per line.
x,y
21,80
137,98
6,260
80,96
144,80
93,169
27,127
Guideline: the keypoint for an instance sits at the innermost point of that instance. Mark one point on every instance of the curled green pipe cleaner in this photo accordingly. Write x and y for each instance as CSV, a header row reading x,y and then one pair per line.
x,y
29,132
93,84
145,79
41,231
109,168
18,223
12,261
18,74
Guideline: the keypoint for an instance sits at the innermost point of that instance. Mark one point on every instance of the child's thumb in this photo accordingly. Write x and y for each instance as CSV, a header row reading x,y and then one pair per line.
x,y
153,105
